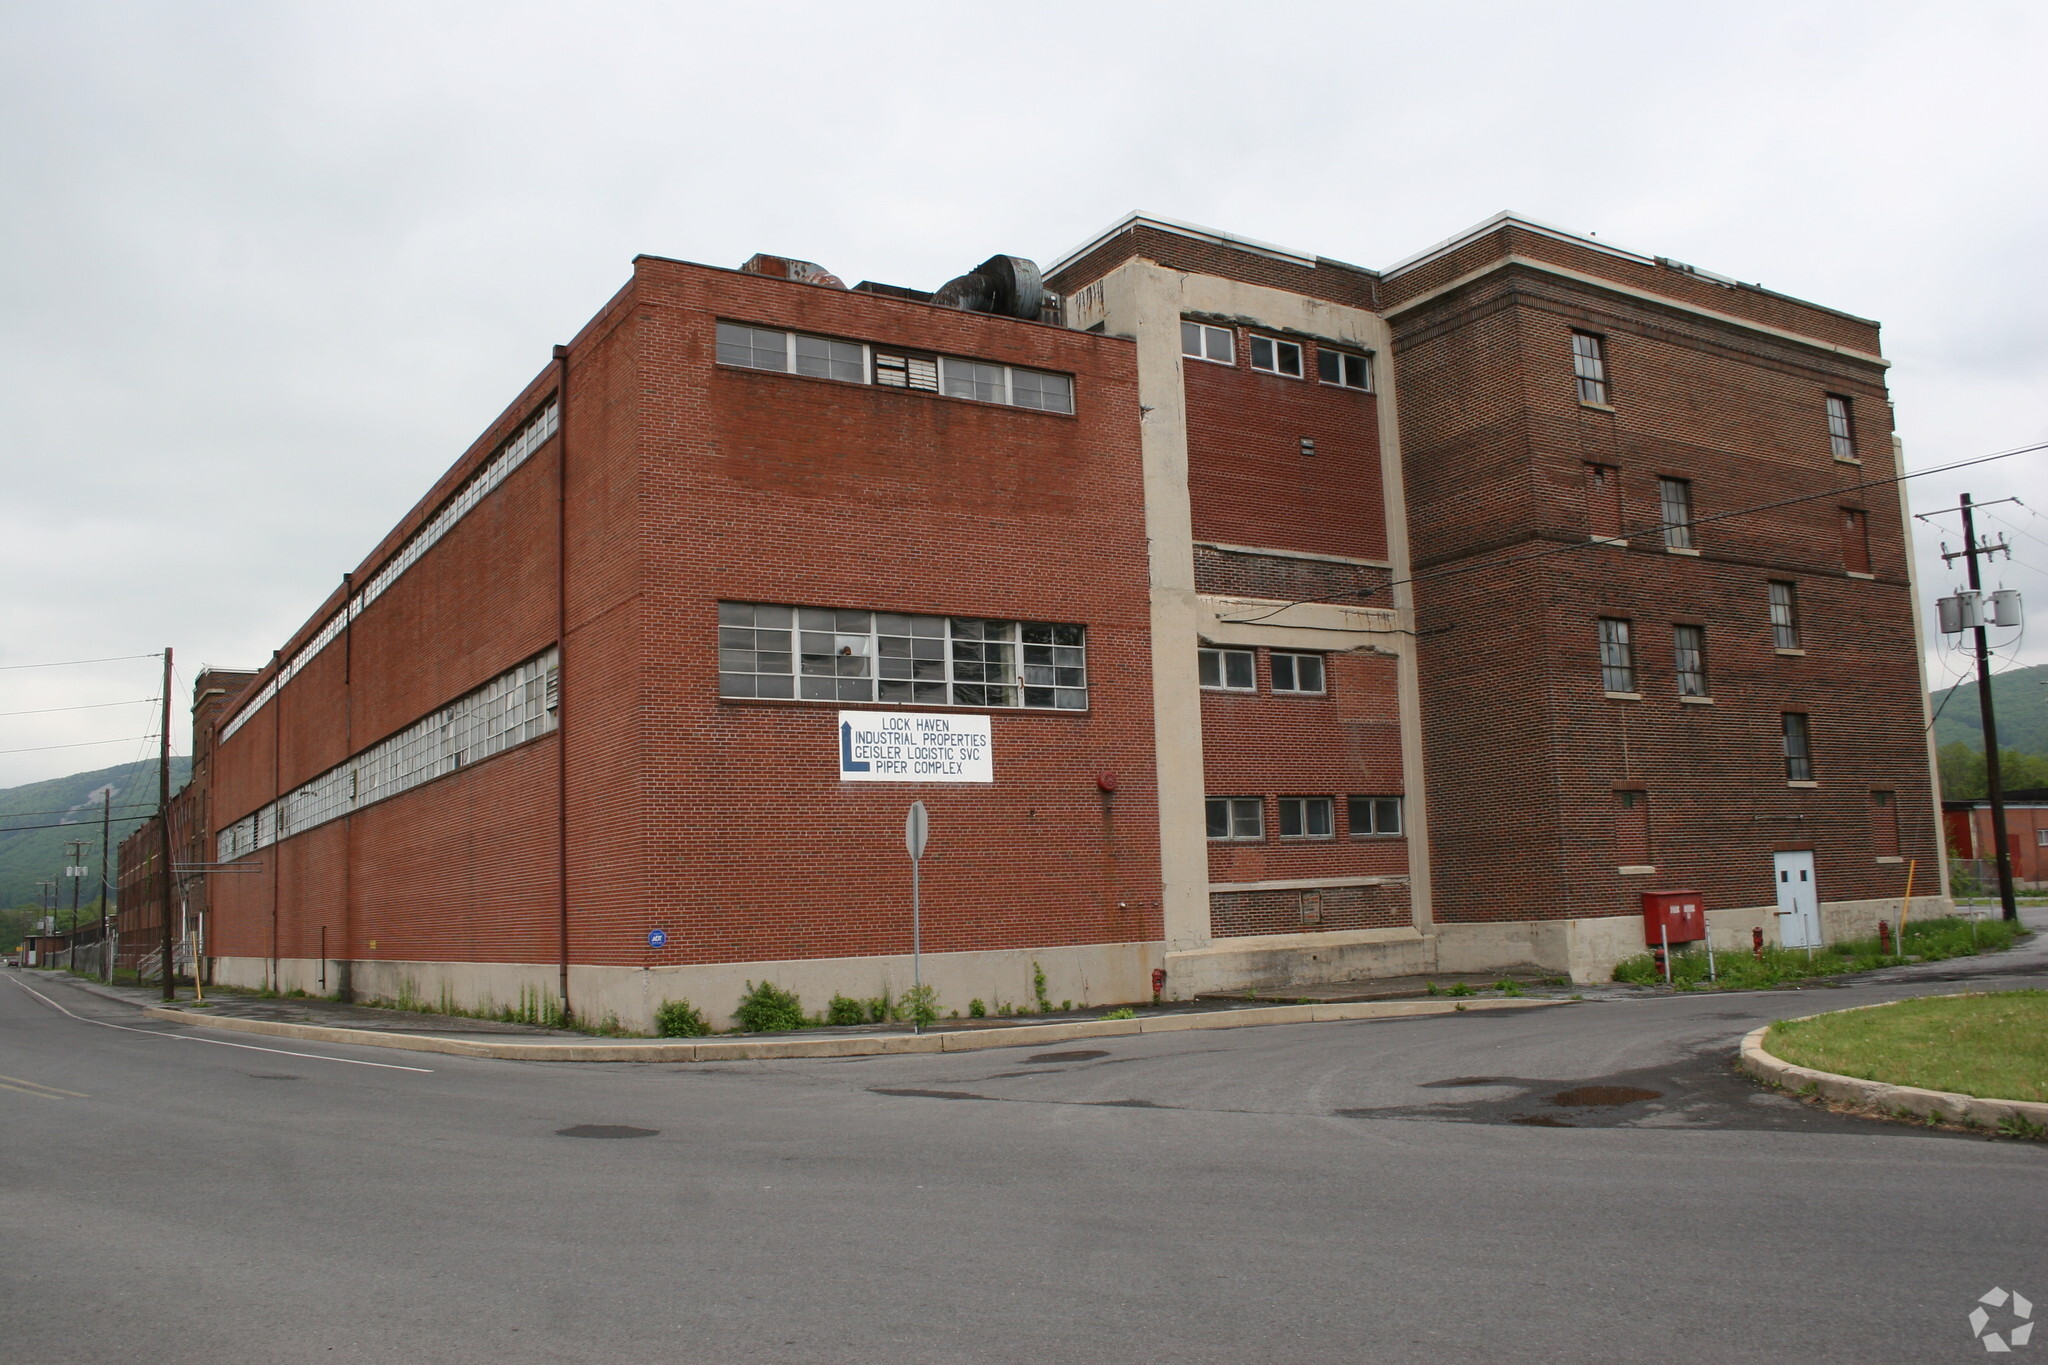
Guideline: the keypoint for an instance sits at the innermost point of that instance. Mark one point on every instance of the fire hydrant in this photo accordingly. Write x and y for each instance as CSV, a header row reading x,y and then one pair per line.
x,y
1158,983
1884,939
1756,943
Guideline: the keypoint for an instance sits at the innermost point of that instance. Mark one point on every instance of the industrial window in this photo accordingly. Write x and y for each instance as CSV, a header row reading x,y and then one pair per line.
x,y
1884,824
767,348
1603,501
1297,672
1275,356
834,654
1689,659
1307,817
1798,748
1229,669
1855,540
1784,615
1674,505
1375,815
1351,370
510,709
1589,365
1841,436
1201,342
1617,660
1236,817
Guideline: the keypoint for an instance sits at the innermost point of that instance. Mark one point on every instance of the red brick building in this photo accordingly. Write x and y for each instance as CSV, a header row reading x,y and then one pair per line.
x,y
1291,622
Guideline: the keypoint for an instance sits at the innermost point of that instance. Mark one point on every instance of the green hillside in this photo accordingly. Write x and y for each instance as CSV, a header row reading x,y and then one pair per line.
x,y
2021,697
68,808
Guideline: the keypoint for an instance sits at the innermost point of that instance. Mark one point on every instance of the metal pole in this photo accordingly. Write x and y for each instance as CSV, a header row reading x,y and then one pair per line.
x,y
163,820
1993,781
1664,932
1708,930
916,943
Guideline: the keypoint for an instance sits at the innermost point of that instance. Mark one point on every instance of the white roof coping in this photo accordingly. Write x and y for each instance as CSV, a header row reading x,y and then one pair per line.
x,y
1502,219
1194,230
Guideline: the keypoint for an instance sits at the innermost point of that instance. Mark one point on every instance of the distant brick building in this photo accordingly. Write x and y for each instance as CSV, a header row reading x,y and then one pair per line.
x,y
1312,622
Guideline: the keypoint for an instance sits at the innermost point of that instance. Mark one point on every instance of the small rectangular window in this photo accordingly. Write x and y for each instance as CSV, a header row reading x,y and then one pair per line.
x,y
1236,817
1344,368
1603,501
755,348
1689,658
1589,365
973,379
1037,389
1297,673
1855,540
828,359
1841,435
1798,748
1202,342
1228,669
1275,356
1617,659
1784,615
1674,506
1373,815
1306,817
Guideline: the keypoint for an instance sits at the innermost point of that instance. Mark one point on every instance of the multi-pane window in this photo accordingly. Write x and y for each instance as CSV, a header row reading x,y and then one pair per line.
x,y
1855,540
1202,342
1297,672
834,654
1841,436
1229,669
1276,356
1798,748
1307,817
1589,365
1347,368
1374,814
1617,659
766,348
1674,505
1236,817
1689,659
1784,615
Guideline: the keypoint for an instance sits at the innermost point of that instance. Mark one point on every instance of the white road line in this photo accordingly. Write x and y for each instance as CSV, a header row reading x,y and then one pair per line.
x,y
217,1042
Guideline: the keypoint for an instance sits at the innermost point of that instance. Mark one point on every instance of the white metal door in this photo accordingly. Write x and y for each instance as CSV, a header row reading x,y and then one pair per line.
x,y
1798,900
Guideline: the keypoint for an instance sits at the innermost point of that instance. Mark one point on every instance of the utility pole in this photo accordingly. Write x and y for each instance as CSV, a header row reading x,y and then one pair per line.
x,y
74,870
106,920
163,822
1967,613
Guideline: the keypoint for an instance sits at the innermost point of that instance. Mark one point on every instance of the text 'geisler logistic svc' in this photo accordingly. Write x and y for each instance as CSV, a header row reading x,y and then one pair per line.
x,y
915,746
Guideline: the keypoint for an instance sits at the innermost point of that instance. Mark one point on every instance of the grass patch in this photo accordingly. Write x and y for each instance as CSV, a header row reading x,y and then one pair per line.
x,y
1995,1045
1926,941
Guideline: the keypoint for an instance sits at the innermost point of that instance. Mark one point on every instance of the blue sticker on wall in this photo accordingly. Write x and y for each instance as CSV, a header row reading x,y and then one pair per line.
x,y
657,937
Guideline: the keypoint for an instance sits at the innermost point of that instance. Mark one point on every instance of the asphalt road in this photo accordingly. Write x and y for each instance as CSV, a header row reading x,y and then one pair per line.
x,y
1587,1182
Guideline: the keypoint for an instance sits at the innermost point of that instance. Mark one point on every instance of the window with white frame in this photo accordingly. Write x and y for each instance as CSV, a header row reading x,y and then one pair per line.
x,y
1841,436
1784,615
1275,356
1373,815
1236,817
1307,817
1230,670
767,348
835,654
1589,367
1345,368
1617,659
1199,341
1674,504
1300,673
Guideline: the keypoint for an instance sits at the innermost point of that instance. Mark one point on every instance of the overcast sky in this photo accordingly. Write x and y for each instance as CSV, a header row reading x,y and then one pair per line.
x,y
269,268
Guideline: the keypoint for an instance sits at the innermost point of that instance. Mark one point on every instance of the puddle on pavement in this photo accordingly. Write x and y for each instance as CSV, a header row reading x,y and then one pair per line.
x,y
1603,1096
605,1130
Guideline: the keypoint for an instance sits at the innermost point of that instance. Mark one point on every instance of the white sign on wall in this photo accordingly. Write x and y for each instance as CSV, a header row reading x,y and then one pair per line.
x,y
915,746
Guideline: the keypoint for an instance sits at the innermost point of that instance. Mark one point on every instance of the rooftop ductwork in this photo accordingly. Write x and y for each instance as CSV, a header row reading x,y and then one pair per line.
x,y
1005,286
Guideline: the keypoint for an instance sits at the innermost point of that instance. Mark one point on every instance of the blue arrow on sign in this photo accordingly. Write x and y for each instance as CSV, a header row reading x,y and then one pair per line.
x,y
846,763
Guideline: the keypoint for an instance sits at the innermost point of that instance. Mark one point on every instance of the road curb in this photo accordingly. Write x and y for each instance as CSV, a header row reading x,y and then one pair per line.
x,y
880,1045
1898,1101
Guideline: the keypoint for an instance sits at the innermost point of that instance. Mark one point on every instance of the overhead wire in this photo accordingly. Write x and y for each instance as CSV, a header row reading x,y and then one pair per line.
x,y
68,663
89,706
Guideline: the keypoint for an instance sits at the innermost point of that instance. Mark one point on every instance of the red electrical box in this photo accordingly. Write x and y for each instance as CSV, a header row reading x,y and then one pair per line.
x,y
1680,915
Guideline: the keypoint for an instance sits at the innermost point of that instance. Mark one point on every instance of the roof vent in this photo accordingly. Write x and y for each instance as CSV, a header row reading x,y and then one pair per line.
x,y
784,268
1006,286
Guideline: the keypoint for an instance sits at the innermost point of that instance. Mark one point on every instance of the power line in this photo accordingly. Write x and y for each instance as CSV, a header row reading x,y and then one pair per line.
x,y
92,806
1644,531
67,663
74,824
89,706
82,744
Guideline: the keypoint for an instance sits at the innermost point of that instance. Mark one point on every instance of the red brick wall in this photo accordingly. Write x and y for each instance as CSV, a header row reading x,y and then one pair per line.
x,y
1249,482
1333,281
